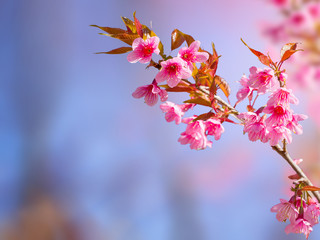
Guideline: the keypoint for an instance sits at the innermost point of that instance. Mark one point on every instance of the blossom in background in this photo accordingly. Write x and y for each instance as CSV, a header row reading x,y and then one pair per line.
x,y
143,50
150,93
173,70
192,55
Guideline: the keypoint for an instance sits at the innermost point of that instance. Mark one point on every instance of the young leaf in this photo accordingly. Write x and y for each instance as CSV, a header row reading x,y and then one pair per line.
x,y
129,24
178,37
262,58
287,50
310,188
200,101
117,50
110,30
124,37
138,25
223,85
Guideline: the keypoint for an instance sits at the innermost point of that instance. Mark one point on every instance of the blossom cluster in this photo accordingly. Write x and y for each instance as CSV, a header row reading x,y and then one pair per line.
x,y
303,214
173,71
278,120
273,122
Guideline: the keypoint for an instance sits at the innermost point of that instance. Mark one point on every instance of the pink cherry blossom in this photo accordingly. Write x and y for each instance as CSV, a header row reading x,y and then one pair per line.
x,y
299,226
285,210
314,10
143,50
150,93
300,22
214,127
294,126
245,90
173,70
312,212
173,112
261,80
282,96
256,129
279,115
280,3
192,55
195,134
277,133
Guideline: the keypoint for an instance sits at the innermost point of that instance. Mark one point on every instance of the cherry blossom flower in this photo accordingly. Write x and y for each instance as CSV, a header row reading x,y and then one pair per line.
x,y
192,55
173,112
195,134
285,210
294,126
312,212
282,96
299,226
173,70
143,50
279,115
150,93
245,90
277,133
261,80
214,127
256,129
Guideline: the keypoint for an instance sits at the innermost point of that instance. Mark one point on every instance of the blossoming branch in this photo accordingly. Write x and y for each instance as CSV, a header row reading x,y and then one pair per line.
x,y
193,71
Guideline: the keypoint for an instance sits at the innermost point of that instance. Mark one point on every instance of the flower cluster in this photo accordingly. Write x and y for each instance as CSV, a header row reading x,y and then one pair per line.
x,y
281,120
273,122
303,214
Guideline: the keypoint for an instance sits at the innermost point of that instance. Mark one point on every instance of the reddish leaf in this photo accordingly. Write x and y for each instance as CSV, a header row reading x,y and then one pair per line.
x,y
129,24
294,177
310,188
223,85
110,30
287,50
204,116
178,37
138,25
262,58
199,101
124,37
117,51
181,87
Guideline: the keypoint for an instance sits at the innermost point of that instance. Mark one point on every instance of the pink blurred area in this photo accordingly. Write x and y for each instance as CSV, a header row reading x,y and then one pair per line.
x,y
82,159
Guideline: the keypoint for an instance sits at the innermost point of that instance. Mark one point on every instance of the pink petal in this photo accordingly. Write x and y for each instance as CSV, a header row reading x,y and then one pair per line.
x,y
194,46
151,99
202,57
137,42
140,92
133,57
173,81
161,76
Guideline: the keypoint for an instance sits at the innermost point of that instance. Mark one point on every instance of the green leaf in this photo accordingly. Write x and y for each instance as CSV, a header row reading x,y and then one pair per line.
x,y
117,51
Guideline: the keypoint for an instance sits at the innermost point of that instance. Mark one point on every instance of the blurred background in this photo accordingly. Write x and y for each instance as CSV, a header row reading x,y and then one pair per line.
x,y
81,159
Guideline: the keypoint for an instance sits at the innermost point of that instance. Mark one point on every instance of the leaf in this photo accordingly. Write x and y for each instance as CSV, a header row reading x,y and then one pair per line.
x,y
204,116
124,37
310,188
178,37
223,85
129,24
287,50
262,58
117,50
110,30
138,25
199,101
181,87
294,177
